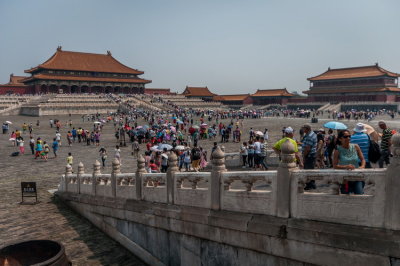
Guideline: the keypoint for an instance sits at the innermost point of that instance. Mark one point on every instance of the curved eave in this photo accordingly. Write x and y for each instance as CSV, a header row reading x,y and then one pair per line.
x,y
142,81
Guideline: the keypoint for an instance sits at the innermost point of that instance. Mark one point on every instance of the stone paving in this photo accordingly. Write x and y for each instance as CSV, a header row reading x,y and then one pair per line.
x,y
85,244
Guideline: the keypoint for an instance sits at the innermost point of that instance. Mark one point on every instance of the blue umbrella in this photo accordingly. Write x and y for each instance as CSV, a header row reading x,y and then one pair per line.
x,y
335,125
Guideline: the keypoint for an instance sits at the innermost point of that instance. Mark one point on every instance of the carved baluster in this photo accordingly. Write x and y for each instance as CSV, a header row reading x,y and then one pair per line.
x,y
96,172
68,172
116,169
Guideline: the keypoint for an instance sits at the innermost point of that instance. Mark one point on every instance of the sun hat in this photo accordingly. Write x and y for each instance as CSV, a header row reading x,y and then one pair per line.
x,y
288,130
359,128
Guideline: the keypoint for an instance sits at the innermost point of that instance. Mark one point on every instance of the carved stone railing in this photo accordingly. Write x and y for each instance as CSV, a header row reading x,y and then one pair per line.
x,y
278,193
327,204
192,189
239,192
154,187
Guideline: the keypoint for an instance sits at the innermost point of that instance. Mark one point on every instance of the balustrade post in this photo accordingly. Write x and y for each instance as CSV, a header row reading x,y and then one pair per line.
x,y
68,172
282,185
96,172
81,171
392,180
172,168
116,169
139,172
218,166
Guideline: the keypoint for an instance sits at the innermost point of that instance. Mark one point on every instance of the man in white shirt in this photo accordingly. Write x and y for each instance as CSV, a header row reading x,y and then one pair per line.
x,y
257,152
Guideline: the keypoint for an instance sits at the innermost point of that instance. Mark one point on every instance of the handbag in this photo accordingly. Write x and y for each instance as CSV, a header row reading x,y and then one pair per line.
x,y
374,152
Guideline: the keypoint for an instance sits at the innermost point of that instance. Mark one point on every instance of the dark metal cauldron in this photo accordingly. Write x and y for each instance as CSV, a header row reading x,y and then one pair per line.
x,y
34,252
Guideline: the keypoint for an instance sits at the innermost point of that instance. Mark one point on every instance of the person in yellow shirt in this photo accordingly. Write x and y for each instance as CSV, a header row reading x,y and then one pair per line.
x,y
70,159
288,135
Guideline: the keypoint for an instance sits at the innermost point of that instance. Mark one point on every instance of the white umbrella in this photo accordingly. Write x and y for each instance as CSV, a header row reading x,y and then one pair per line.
x,y
154,148
97,122
179,147
11,139
259,133
163,146
8,122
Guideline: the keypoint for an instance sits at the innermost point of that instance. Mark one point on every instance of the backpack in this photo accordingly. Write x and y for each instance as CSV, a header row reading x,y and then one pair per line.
x,y
374,152
196,154
15,153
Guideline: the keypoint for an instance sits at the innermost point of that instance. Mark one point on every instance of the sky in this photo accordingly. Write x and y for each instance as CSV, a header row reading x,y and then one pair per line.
x,y
230,46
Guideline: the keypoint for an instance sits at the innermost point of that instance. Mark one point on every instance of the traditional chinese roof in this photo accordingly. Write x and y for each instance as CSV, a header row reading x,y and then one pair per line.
x,y
275,92
197,91
232,97
352,90
78,61
81,78
15,80
354,72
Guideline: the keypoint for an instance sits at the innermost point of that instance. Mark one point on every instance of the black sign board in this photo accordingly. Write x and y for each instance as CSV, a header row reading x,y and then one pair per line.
x,y
28,189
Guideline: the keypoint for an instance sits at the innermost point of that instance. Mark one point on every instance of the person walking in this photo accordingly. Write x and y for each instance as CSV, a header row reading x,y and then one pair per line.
x,y
309,148
244,153
32,144
55,147
103,156
135,148
386,142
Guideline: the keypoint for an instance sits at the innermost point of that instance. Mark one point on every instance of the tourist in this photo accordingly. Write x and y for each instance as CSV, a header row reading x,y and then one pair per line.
x,y
58,138
103,156
320,154
97,138
39,148
362,140
386,142
215,146
257,153
32,144
203,158
24,128
263,153
330,141
70,159
55,147
250,154
69,138
74,134
164,161
136,148
309,148
196,156
289,134
13,138
51,122
347,156
5,128
266,135
46,150
153,168
244,153
117,153
21,147
187,160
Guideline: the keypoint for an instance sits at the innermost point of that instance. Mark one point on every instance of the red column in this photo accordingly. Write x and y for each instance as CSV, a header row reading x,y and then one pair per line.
x,y
37,89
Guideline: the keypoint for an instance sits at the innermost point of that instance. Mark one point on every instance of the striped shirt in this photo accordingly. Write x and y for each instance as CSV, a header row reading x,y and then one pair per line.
x,y
310,140
386,135
362,140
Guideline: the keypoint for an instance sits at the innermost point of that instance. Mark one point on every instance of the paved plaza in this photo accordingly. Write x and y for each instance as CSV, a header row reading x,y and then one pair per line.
x,y
85,244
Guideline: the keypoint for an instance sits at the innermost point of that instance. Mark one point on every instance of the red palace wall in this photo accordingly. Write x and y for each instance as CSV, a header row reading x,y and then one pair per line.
x,y
4,89
248,100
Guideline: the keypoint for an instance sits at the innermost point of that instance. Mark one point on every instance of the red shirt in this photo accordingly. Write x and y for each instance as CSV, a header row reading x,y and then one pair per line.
x,y
153,167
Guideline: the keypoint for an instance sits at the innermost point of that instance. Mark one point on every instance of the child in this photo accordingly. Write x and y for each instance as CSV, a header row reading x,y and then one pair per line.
x,y
70,159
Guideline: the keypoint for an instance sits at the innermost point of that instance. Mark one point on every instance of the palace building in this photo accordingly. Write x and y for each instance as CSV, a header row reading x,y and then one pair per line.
x,y
234,99
77,72
276,96
366,83
198,92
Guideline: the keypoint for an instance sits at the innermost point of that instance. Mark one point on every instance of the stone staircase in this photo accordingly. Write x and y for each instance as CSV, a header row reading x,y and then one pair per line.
x,y
324,107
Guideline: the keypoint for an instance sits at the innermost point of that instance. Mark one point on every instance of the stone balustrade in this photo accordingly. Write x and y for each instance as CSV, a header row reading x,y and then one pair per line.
x,y
277,193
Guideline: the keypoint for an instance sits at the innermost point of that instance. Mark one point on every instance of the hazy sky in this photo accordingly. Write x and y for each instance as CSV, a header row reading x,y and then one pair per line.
x,y
230,46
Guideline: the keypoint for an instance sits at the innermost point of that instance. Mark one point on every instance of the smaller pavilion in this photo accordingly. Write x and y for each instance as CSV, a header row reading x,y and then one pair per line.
x,y
198,92
275,96
15,86
234,99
